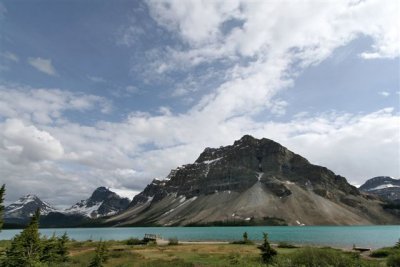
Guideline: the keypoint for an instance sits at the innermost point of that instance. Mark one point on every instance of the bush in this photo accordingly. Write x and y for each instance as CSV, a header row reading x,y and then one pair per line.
x,y
101,255
134,241
323,257
394,260
173,241
286,245
380,253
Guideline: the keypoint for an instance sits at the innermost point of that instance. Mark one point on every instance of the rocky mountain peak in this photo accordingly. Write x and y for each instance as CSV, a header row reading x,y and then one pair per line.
x,y
25,207
239,166
385,187
102,193
102,202
256,181
380,182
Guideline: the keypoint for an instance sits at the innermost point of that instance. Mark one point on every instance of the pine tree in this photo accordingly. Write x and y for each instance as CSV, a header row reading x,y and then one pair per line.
x,y
25,249
62,250
245,237
49,253
267,252
101,255
2,192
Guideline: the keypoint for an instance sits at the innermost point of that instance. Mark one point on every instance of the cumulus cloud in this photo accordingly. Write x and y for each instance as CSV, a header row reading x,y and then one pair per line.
x,y
26,143
45,105
43,65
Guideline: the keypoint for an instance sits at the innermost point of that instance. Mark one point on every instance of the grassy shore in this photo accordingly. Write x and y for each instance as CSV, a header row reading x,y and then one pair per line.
x,y
121,254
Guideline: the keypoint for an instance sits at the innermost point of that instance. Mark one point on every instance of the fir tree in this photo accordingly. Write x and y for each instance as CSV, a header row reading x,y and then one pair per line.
x,y
2,191
101,255
54,249
25,249
267,252
49,253
62,250
245,237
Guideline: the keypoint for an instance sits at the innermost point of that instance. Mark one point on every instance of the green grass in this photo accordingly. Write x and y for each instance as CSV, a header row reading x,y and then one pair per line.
x,y
123,255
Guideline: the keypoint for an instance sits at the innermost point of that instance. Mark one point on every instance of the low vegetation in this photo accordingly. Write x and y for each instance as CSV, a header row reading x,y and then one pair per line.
x,y
119,253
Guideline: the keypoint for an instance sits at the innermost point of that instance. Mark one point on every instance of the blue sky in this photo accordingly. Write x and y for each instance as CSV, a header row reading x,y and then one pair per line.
x,y
117,93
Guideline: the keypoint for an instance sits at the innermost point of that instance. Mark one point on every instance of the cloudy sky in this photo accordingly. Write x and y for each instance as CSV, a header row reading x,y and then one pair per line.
x,y
116,93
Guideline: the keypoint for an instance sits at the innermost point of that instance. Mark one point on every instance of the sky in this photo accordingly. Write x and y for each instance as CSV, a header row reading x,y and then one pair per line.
x,y
117,93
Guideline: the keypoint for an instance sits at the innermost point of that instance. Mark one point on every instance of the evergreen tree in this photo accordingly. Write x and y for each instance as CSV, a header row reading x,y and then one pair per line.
x,y
54,249
2,191
245,237
62,250
101,255
267,252
49,253
25,249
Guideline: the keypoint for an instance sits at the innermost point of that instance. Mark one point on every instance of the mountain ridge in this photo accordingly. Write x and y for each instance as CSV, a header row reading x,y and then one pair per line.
x,y
253,180
101,203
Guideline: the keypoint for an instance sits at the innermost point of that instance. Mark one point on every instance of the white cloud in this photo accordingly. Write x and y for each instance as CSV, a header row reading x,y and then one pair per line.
x,y
131,89
43,65
129,35
384,93
96,79
45,106
25,143
10,56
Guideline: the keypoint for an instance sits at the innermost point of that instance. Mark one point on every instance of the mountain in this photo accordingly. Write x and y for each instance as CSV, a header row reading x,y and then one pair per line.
x,y
384,187
21,211
102,202
252,182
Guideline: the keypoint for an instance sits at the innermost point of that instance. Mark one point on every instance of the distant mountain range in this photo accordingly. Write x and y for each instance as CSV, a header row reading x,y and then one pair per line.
x,y
101,203
384,187
252,182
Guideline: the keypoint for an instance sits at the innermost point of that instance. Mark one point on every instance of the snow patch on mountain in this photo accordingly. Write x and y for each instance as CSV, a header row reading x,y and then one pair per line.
x,y
382,187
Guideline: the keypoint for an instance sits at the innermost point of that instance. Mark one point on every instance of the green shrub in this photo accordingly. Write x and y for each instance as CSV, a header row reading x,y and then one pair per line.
x,y
101,255
286,245
134,241
393,260
173,241
313,257
380,253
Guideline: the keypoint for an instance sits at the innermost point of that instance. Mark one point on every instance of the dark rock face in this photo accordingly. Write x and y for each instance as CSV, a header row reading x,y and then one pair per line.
x,y
384,187
102,202
240,166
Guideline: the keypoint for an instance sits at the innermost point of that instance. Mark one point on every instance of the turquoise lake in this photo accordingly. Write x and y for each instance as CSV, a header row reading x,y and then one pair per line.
x,y
335,236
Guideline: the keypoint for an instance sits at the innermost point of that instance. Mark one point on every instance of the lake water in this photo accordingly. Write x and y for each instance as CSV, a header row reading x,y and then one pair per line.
x,y
335,236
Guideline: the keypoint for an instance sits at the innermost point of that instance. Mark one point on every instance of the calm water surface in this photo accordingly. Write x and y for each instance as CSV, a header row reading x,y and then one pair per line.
x,y
336,236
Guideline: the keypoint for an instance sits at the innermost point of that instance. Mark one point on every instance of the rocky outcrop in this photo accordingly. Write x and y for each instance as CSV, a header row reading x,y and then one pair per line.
x,y
249,182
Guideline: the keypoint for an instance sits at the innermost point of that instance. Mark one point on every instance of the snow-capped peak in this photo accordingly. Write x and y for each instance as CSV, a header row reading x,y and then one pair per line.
x,y
26,206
